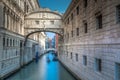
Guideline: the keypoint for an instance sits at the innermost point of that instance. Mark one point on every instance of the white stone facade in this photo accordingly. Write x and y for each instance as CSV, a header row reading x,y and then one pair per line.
x,y
13,54
86,36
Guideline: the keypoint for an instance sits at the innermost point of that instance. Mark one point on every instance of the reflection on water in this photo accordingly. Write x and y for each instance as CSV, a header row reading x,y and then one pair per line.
x,y
43,70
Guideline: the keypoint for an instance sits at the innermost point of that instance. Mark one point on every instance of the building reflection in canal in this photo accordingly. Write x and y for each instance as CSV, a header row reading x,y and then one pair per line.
x,y
43,70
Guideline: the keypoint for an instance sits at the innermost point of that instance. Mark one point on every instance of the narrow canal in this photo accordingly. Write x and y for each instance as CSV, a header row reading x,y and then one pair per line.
x,y
43,70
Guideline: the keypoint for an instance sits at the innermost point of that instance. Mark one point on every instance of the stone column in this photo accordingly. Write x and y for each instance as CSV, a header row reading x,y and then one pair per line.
x,y
5,20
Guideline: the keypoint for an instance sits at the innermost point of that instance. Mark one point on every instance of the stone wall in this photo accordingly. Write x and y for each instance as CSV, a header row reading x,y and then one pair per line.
x,y
13,54
103,43
9,52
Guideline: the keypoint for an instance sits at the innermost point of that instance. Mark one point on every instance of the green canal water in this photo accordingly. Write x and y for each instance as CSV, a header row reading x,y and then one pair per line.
x,y
43,70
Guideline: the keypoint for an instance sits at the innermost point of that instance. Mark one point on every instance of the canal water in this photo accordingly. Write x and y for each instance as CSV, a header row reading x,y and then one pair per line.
x,y
43,70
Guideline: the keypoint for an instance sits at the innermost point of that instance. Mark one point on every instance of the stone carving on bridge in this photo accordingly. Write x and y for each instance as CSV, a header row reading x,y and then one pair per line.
x,y
43,21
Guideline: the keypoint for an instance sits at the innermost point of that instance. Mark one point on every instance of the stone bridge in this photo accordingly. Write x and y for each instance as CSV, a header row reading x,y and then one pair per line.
x,y
50,49
43,20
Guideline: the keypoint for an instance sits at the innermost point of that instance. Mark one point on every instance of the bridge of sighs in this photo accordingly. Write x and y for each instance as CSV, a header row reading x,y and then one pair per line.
x,y
43,20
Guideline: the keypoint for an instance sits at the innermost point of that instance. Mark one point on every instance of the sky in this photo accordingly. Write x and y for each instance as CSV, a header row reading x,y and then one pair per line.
x,y
55,5
50,35
59,5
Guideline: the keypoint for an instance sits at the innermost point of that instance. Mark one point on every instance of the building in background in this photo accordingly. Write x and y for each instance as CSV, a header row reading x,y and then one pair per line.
x,y
56,41
53,42
47,43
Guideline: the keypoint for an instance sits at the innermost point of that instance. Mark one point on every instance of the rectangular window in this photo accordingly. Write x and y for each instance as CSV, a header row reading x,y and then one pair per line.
x,y
98,64
117,71
85,3
21,44
72,16
76,57
77,9
85,60
68,35
3,42
10,42
95,0
37,22
68,21
118,13
85,27
72,33
71,55
7,42
52,22
99,22
13,42
77,31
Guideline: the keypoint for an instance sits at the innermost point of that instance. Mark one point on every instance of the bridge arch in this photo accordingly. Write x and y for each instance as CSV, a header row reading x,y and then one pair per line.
x,y
43,20
26,37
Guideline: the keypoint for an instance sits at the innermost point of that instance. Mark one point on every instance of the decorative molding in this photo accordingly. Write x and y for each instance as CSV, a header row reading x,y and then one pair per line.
x,y
44,12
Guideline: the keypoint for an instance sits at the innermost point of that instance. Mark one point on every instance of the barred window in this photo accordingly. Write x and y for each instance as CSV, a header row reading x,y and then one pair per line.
x,y
72,33
68,21
118,13
85,27
72,16
7,42
85,3
98,65
13,42
95,0
3,42
99,21
76,57
77,31
10,42
71,55
117,71
84,60
77,9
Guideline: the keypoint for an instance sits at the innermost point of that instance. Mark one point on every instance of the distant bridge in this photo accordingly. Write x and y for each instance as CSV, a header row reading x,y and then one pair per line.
x,y
50,49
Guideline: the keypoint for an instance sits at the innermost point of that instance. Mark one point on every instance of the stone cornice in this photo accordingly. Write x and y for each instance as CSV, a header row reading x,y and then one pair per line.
x,y
42,19
71,7
44,12
6,31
